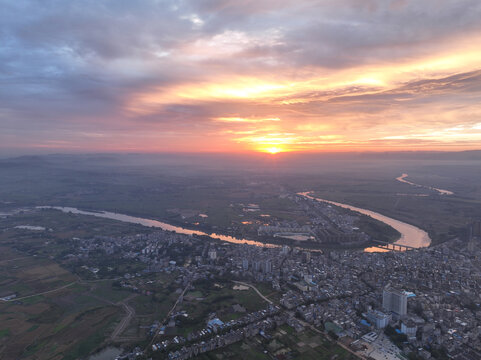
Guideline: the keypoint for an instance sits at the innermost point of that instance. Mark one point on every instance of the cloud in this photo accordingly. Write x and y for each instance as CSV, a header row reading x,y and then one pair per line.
x,y
107,74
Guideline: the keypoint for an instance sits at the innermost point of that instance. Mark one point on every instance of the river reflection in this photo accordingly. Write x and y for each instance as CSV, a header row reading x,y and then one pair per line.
x,y
155,224
410,234
403,177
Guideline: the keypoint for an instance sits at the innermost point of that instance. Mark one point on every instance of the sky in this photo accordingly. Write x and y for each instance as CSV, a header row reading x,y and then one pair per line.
x,y
239,76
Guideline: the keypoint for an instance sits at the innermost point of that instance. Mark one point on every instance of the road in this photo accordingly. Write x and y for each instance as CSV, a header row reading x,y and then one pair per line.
x,y
301,321
255,289
181,296
19,258
313,328
59,288
130,313
42,293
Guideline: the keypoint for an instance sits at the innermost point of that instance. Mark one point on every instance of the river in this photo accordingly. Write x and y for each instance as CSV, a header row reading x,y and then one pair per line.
x,y
403,177
155,224
410,234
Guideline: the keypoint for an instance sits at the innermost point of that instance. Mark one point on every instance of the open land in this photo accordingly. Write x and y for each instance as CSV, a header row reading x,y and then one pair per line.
x,y
74,284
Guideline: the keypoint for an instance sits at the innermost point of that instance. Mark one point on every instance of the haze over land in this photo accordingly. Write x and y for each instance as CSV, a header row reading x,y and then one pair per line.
x,y
164,186
107,282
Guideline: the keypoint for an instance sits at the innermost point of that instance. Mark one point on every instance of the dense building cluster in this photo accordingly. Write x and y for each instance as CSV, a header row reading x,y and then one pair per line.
x,y
429,299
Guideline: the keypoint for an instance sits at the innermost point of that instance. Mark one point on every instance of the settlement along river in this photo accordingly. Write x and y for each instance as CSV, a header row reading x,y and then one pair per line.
x,y
155,224
410,235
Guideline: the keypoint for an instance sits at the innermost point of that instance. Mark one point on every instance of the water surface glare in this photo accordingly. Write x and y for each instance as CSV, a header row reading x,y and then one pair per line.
x,y
403,177
156,224
410,234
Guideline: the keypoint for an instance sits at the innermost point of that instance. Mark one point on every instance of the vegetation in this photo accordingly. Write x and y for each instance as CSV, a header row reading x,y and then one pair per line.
x,y
395,337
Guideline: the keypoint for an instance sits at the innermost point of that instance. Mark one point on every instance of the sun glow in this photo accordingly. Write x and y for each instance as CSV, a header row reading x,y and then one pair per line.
x,y
273,150
314,109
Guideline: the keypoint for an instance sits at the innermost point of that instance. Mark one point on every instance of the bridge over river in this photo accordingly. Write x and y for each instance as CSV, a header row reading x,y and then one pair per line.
x,y
412,237
391,246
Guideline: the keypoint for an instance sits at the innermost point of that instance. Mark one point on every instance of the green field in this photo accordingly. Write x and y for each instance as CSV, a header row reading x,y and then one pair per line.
x,y
56,314
65,324
219,298
284,341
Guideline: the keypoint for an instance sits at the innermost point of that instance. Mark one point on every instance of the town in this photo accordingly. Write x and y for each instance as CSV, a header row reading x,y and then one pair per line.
x,y
418,304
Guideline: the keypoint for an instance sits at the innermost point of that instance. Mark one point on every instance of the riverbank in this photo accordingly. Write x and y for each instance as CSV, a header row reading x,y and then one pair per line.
x,y
403,177
410,234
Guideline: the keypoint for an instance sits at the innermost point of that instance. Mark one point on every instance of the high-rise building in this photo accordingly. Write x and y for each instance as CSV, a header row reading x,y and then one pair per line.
x,y
306,257
267,267
395,300
245,264
474,235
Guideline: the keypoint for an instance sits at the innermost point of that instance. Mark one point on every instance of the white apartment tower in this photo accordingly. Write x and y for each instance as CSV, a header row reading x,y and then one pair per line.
x,y
395,300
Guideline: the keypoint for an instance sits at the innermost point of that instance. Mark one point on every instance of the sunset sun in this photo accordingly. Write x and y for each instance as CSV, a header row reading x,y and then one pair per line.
x,y
273,150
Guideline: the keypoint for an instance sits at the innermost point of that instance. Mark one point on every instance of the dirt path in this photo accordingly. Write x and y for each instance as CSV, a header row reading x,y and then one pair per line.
x,y
129,314
19,258
168,314
255,289
42,293
59,288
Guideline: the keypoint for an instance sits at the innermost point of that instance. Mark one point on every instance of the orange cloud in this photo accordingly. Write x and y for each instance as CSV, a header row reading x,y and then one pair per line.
x,y
226,76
